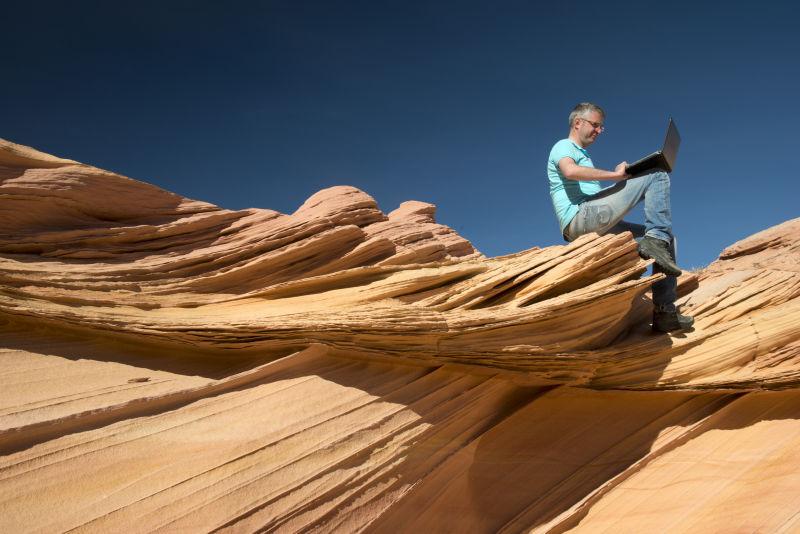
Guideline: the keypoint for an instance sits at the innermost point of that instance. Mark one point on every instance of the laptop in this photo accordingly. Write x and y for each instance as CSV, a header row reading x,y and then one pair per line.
x,y
664,159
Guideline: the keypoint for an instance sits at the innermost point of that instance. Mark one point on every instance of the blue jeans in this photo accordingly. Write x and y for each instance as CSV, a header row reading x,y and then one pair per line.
x,y
603,213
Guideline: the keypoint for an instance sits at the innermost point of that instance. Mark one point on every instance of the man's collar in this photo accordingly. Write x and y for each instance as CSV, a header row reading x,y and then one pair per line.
x,y
579,147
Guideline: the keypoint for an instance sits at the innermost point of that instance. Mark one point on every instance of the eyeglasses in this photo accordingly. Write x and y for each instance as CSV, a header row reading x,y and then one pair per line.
x,y
596,125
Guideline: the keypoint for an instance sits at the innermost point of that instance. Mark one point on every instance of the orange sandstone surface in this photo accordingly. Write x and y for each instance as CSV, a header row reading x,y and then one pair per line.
x,y
168,365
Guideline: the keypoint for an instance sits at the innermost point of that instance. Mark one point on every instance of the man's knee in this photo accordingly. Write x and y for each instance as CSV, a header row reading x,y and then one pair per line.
x,y
654,179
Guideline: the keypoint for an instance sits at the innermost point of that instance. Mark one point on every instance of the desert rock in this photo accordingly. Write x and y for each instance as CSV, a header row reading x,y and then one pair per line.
x,y
169,365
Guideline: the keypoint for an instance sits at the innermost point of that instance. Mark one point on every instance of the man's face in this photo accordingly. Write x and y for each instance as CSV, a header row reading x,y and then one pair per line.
x,y
587,131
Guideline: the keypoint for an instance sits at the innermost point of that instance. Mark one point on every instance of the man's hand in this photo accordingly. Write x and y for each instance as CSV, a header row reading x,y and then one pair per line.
x,y
619,170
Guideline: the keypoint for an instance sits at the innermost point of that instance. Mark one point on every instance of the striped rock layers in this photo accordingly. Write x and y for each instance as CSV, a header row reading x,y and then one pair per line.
x,y
169,365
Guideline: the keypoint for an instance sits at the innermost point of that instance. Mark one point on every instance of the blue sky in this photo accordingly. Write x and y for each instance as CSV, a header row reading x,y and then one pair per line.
x,y
261,104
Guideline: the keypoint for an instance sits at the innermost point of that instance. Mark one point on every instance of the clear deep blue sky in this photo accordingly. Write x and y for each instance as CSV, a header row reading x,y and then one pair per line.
x,y
261,104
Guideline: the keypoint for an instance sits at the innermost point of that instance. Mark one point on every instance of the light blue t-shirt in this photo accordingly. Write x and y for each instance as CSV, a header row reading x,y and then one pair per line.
x,y
568,194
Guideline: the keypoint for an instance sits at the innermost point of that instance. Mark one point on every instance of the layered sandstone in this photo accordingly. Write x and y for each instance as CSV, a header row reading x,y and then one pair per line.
x,y
170,365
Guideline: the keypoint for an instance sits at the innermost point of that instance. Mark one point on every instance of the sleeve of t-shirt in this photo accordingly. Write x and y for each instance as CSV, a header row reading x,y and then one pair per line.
x,y
562,149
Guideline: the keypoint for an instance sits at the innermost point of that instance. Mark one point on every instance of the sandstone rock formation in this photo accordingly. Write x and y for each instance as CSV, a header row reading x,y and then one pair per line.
x,y
168,365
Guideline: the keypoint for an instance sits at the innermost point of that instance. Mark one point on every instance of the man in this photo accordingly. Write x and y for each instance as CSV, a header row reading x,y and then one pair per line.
x,y
582,206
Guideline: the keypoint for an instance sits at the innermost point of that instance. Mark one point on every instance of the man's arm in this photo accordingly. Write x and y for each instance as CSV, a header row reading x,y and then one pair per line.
x,y
573,171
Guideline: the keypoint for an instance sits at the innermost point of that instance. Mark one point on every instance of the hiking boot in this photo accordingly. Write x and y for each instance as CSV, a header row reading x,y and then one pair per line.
x,y
650,247
667,321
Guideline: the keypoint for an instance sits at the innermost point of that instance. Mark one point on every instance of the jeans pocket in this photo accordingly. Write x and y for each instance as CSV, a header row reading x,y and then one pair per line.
x,y
599,216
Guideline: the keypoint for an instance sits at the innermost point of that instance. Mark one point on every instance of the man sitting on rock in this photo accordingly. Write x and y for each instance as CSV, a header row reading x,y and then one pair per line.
x,y
582,206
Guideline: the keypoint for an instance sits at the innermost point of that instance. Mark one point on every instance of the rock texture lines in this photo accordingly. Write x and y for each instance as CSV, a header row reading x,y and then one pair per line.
x,y
168,365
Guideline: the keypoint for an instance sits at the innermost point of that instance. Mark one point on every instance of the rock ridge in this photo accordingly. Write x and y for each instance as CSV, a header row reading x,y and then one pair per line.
x,y
170,365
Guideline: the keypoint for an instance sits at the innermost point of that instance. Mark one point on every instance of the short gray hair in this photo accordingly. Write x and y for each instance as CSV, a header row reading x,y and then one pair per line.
x,y
582,109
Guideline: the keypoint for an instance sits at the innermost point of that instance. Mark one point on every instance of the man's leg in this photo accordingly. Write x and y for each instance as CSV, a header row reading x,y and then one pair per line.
x,y
665,314
608,207
665,292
